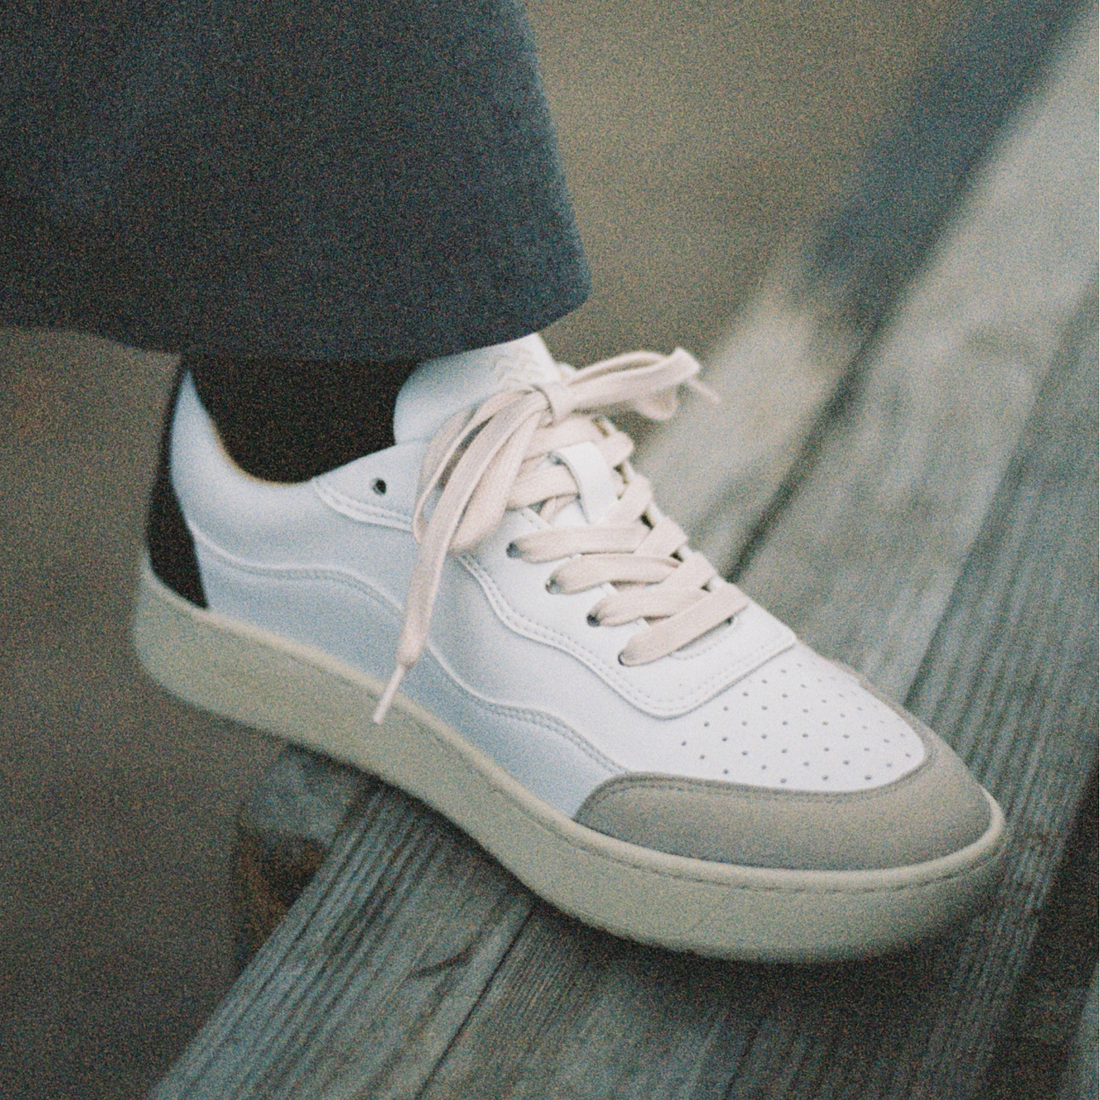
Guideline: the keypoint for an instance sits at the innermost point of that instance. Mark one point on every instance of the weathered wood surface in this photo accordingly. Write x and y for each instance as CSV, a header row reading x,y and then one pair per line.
x,y
364,984
941,402
1001,283
412,965
1046,1009
284,832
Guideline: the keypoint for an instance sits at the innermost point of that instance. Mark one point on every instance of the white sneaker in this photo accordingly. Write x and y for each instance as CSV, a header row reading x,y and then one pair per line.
x,y
637,741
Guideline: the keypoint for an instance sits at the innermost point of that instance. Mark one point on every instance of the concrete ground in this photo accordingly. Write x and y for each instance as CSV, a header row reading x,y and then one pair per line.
x,y
698,138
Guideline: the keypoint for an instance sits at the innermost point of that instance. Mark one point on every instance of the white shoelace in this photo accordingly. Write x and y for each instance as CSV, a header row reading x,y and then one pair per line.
x,y
486,461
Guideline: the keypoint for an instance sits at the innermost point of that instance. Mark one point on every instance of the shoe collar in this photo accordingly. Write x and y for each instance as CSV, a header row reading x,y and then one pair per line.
x,y
439,388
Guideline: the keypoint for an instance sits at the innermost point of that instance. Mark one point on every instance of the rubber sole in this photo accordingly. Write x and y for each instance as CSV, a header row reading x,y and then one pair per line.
x,y
298,693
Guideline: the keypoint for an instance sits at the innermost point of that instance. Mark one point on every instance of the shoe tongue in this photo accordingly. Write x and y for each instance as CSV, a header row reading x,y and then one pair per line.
x,y
439,388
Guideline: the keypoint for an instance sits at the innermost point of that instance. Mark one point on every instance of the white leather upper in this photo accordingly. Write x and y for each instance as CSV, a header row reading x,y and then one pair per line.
x,y
439,387
516,668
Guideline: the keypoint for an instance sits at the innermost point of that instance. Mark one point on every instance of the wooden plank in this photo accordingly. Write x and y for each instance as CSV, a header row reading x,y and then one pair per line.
x,y
776,374
363,985
790,359
1046,1008
284,832
875,534
1080,1079
1031,588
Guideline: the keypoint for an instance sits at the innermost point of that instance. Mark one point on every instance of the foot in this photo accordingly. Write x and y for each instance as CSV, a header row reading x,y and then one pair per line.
x,y
495,616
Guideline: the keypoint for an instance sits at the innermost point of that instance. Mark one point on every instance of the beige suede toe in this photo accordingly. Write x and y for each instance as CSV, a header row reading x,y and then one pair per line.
x,y
936,810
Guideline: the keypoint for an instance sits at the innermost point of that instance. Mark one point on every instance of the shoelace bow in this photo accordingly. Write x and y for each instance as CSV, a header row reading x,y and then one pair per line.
x,y
492,459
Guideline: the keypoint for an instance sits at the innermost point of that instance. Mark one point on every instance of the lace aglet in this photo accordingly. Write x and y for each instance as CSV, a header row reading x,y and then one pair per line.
x,y
703,390
383,707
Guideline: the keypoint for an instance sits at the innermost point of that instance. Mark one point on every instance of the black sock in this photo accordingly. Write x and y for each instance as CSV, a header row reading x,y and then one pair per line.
x,y
289,420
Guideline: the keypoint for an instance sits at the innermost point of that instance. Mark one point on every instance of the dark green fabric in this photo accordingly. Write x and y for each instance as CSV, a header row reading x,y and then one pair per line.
x,y
369,181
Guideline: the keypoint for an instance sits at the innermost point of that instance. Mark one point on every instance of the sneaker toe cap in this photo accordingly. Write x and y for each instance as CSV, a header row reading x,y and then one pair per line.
x,y
936,810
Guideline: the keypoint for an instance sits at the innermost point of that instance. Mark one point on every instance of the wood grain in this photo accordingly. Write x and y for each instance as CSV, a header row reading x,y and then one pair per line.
x,y
776,374
997,287
284,832
363,985
863,556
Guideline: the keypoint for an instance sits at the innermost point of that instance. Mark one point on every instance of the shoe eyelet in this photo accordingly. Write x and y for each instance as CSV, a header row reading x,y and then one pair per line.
x,y
512,550
591,619
379,486
552,587
621,661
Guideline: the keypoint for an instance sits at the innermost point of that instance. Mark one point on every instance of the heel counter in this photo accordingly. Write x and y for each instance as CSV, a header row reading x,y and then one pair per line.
x,y
171,547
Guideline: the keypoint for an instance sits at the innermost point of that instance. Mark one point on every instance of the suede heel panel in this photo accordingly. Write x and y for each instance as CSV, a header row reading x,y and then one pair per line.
x,y
171,547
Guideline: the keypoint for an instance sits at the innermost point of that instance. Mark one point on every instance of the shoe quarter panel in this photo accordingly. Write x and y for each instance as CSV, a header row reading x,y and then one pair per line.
x,y
517,592
484,656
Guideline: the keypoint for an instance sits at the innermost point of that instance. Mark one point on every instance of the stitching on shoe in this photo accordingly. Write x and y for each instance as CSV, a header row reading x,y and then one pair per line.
x,y
532,716
222,622
359,510
680,705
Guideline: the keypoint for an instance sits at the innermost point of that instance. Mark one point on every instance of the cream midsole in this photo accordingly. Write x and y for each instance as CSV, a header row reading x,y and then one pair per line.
x,y
273,684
